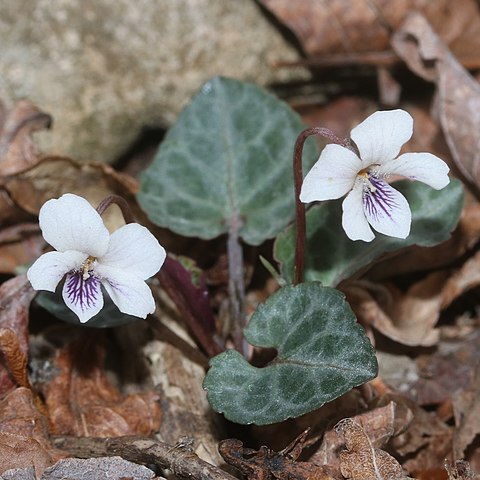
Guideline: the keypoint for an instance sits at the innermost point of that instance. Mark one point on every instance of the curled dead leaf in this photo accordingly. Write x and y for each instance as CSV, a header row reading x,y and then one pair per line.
x,y
15,297
408,318
361,460
342,27
54,176
458,93
17,149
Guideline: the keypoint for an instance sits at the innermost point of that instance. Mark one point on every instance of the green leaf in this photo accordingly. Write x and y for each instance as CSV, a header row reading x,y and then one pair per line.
x,y
322,353
330,256
109,315
227,159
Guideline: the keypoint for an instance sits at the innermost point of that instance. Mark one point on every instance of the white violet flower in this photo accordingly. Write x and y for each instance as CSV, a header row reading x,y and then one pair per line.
x,y
90,257
370,200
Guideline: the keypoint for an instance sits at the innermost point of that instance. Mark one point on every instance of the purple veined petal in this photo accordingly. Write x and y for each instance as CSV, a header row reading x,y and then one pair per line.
x,y
332,176
128,292
134,249
71,223
354,221
380,137
386,209
83,296
51,267
424,167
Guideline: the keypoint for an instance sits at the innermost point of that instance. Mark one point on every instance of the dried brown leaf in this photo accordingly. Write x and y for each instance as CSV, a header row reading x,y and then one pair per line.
x,y
54,176
82,401
17,149
361,460
458,93
380,424
426,442
466,408
24,434
408,318
15,297
344,27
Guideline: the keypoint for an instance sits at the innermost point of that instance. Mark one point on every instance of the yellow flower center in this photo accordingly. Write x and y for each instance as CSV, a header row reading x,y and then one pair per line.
x,y
87,267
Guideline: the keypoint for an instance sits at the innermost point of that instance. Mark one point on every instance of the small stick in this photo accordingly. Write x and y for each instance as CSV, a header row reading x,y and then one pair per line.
x,y
181,461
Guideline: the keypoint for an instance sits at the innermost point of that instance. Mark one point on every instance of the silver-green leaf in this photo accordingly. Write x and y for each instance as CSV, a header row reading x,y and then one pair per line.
x,y
227,159
321,354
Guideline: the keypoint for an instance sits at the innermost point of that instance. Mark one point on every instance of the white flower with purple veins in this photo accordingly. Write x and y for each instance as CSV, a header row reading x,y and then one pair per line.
x,y
88,257
370,200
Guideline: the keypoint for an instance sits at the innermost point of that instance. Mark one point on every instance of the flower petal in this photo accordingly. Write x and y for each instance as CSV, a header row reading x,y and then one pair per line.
x,y
71,223
83,296
332,176
129,293
380,137
387,210
354,221
424,167
133,248
50,268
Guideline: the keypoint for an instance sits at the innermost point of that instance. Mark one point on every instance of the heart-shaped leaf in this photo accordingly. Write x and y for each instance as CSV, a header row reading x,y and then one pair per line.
x,y
227,159
330,256
321,354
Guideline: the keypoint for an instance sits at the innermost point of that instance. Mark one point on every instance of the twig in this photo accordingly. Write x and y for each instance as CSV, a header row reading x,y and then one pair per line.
x,y
181,461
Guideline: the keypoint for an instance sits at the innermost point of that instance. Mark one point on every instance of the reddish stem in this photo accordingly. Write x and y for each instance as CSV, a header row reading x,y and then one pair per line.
x,y
171,286
301,228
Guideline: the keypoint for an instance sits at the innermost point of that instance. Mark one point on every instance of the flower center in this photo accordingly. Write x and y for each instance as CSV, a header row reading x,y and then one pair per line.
x,y
367,177
87,267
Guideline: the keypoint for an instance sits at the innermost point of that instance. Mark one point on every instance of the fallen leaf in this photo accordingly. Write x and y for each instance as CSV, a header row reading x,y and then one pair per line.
x,y
15,297
466,409
408,318
380,424
17,149
457,92
81,401
426,442
361,460
344,27
464,279
265,464
54,176
24,434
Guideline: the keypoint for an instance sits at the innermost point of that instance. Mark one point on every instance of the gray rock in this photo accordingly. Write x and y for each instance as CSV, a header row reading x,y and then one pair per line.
x,y
105,468
105,68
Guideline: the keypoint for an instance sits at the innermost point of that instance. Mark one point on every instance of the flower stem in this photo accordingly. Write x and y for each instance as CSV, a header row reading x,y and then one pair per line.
x,y
121,203
300,222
